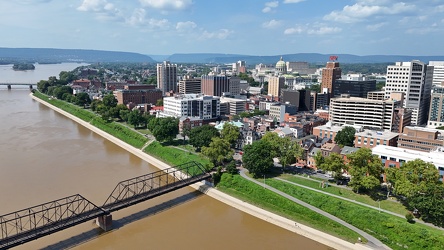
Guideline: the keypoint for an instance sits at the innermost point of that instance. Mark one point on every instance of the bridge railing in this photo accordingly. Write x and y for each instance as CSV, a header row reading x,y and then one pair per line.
x,y
27,224
146,186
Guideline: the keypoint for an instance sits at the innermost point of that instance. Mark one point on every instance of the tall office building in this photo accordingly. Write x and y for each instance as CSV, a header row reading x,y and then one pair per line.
x,y
275,85
167,77
438,72
330,74
215,85
415,80
355,88
436,114
190,85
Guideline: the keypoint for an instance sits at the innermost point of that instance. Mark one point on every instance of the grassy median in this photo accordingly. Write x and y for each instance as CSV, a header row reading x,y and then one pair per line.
x,y
393,231
254,194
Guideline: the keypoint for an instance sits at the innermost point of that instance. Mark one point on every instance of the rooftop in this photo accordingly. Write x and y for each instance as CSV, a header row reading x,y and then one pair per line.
x,y
434,157
385,135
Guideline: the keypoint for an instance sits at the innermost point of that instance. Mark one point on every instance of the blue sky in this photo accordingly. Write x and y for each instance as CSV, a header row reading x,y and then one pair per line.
x,y
253,27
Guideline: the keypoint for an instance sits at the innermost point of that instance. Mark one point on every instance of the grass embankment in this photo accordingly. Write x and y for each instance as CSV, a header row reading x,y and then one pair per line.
x,y
395,232
118,130
254,194
392,206
173,156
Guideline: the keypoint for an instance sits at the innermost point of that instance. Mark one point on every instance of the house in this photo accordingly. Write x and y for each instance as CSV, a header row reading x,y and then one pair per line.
x,y
311,163
329,148
284,132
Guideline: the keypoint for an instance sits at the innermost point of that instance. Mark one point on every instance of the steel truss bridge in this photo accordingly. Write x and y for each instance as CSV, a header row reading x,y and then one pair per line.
x,y
35,222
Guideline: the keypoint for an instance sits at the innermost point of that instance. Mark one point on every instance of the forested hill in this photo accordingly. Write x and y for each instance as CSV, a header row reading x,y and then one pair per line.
x,y
41,55
314,58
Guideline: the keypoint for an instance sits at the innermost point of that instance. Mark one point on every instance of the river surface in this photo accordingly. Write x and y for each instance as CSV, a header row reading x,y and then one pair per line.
x,y
45,156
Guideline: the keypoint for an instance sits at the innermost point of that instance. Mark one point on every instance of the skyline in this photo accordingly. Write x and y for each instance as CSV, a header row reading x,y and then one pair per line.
x,y
248,27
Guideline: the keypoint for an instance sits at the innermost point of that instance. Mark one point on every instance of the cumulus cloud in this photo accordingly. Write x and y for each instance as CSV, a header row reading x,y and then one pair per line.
x,y
166,4
271,24
220,34
138,18
315,29
185,26
363,9
104,10
269,6
293,1
93,5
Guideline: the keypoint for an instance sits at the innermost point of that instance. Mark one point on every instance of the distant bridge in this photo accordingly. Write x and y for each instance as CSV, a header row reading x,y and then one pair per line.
x,y
9,85
35,222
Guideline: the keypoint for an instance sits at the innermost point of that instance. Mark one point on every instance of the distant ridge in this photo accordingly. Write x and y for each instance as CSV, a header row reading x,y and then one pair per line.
x,y
44,55
315,58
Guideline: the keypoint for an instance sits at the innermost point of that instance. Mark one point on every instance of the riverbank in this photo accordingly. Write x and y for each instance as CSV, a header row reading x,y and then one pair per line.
x,y
236,203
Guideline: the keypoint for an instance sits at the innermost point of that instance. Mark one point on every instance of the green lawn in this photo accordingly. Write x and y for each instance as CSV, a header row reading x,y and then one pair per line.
x,y
395,232
254,194
173,156
389,205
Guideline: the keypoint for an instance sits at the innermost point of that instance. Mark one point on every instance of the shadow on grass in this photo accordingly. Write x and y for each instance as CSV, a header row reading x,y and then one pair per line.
x,y
117,224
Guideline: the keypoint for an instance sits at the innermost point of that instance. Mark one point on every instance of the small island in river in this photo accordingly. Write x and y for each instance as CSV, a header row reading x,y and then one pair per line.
x,y
23,66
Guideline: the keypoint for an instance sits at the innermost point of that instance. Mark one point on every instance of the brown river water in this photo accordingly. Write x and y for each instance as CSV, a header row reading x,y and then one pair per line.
x,y
45,156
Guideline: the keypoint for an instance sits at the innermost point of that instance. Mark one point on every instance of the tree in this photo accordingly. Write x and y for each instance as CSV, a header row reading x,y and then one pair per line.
x,y
94,104
273,140
109,101
135,118
167,129
346,136
82,99
289,151
365,169
42,86
231,167
258,158
124,114
217,151
159,102
319,159
334,163
230,133
201,136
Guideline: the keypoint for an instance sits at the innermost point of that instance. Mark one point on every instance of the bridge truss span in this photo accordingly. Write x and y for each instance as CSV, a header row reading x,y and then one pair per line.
x,y
144,187
34,222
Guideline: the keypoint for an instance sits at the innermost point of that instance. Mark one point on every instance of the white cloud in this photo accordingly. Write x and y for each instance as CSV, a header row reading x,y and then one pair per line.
x,y
293,1
93,5
314,29
375,27
185,26
359,11
269,6
166,4
138,18
220,34
271,24
103,10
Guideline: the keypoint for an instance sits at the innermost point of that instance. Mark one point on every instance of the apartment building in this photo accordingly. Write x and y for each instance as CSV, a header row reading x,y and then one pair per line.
x,y
330,74
190,85
191,105
167,77
415,80
436,112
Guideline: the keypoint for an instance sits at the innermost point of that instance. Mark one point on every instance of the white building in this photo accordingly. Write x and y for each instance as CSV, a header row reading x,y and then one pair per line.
x,y
232,106
438,72
191,105
415,80
393,156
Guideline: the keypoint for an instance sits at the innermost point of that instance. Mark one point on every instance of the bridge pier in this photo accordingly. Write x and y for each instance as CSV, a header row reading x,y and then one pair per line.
x,y
30,86
105,222
9,86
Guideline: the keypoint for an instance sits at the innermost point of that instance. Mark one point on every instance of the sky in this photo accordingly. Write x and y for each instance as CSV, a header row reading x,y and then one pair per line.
x,y
249,27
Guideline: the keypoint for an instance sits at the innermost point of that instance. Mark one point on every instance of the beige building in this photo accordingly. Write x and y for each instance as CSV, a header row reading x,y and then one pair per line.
x,y
371,114
372,138
275,85
190,85
419,138
167,77
330,74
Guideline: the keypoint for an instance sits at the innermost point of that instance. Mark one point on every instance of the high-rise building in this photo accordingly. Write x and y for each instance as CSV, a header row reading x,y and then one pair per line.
x,y
190,85
234,85
436,114
355,88
275,85
370,114
215,85
414,79
299,98
438,72
330,74
167,77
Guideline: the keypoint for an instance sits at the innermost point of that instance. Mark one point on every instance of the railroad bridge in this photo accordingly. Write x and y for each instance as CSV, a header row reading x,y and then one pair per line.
x,y
9,85
31,223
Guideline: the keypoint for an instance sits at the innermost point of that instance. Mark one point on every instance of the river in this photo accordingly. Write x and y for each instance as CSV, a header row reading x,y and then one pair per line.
x,y
46,156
